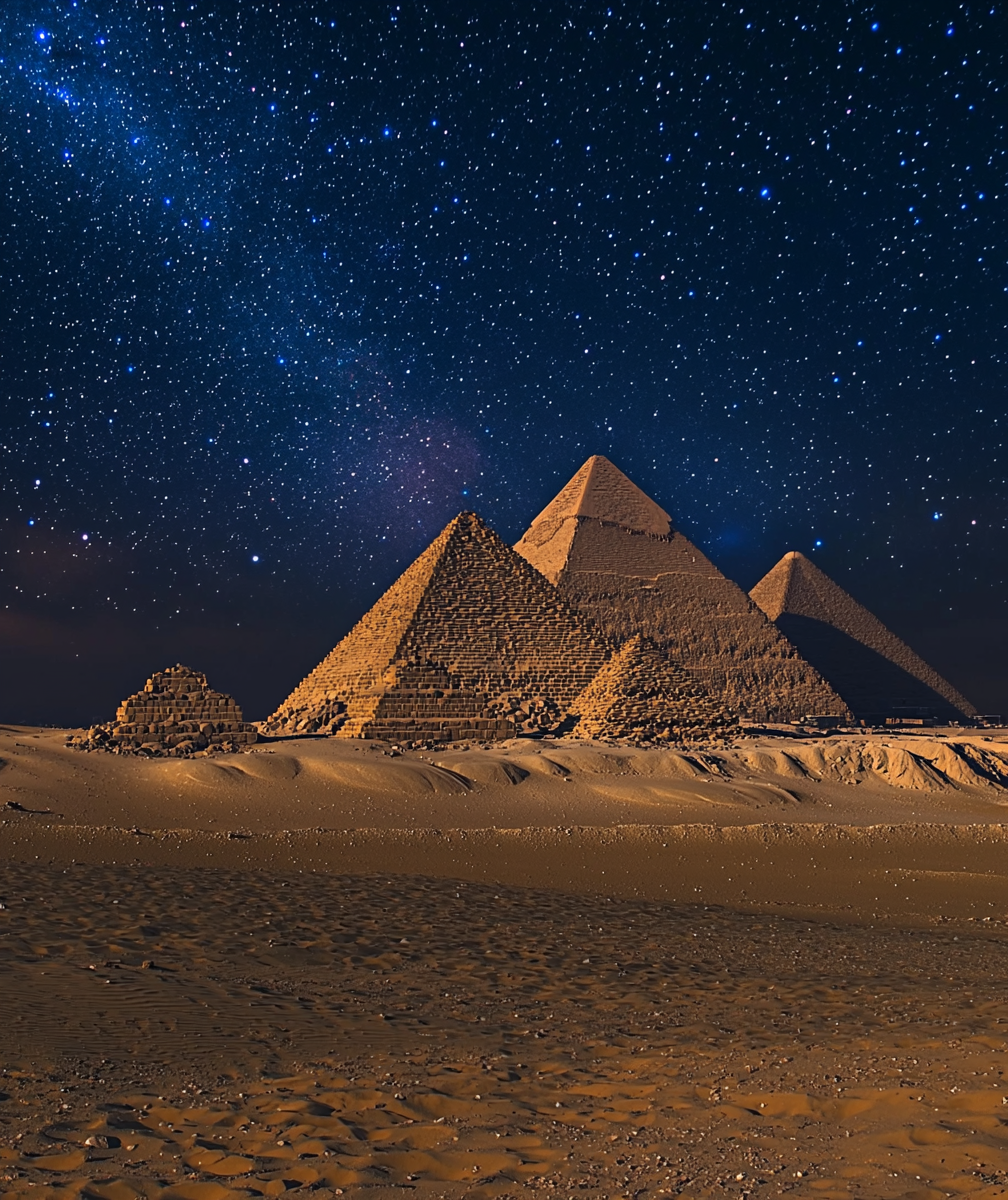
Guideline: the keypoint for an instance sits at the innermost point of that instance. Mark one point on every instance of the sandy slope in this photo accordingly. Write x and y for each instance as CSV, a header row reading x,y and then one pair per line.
x,y
336,784
862,825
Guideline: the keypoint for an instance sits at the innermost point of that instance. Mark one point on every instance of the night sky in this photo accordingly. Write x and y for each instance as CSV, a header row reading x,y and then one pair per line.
x,y
284,287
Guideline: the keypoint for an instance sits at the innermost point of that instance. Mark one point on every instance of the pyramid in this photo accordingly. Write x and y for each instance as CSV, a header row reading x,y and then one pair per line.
x,y
641,694
878,675
177,713
613,553
470,642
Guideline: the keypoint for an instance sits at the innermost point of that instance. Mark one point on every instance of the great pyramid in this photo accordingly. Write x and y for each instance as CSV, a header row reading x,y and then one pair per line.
x,y
612,552
469,643
177,713
641,694
878,675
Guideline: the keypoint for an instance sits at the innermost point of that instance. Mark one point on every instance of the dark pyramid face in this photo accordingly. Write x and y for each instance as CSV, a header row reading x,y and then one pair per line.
x,y
467,639
614,554
877,674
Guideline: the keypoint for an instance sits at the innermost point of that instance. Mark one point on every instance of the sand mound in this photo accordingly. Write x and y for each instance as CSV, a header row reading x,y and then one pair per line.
x,y
641,695
878,675
612,553
177,713
918,764
469,643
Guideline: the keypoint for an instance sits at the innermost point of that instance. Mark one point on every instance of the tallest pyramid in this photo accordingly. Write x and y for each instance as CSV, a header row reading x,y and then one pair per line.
x,y
614,554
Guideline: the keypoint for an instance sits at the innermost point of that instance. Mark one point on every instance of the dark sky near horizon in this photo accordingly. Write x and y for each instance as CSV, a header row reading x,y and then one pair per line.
x,y
286,286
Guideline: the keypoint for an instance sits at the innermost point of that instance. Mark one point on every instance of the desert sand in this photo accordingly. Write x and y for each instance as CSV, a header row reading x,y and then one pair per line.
x,y
774,966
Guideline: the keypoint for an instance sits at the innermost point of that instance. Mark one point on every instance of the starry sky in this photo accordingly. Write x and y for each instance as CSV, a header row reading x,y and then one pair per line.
x,y
285,286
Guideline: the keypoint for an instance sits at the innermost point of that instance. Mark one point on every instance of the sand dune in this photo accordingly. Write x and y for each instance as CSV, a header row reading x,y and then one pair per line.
x,y
286,783
813,825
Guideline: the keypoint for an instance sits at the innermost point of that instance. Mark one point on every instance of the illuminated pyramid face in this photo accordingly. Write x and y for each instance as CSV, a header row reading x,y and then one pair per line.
x,y
877,674
614,554
642,695
469,643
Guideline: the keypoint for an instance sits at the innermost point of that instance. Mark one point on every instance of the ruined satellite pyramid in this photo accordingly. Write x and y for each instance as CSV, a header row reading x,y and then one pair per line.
x,y
641,694
878,675
612,552
177,713
469,643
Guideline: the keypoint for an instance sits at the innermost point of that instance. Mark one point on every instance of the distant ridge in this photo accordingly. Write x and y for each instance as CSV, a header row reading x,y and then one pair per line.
x,y
469,643
613,553
876,673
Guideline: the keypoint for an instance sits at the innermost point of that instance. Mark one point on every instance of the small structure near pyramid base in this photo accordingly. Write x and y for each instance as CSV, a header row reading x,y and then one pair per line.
x,y
641,695
176,714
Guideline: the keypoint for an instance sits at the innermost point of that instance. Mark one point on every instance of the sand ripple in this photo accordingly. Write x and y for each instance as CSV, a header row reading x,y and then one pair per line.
x,y
199,1034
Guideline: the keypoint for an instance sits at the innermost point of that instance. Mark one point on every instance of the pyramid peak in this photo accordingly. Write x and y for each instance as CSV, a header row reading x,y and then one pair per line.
x,y
601,491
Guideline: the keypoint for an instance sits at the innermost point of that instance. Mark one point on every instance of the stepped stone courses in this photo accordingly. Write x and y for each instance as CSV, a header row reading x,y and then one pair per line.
x,y
469,643
177,713
876,673
613,553
641,694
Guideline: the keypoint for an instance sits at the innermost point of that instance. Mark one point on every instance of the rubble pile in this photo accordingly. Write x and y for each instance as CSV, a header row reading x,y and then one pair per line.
x,y
177,714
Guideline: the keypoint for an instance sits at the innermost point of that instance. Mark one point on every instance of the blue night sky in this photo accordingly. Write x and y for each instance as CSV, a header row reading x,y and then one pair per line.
x,y
285,286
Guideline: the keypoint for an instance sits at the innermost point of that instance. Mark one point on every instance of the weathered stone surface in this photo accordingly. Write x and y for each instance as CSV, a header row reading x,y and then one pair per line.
x,y
876,673
613,553
642,695
470,643
177,713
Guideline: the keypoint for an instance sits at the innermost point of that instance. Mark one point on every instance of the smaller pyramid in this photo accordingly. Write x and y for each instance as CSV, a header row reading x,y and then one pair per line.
x,y
469,643
642,695
876,673
177,713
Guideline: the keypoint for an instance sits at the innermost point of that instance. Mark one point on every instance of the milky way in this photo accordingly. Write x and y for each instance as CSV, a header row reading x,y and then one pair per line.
x,y
286,286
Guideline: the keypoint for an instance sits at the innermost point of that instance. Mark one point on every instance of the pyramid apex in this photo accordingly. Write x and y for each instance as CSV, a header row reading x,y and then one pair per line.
x,y
601,491
773,592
